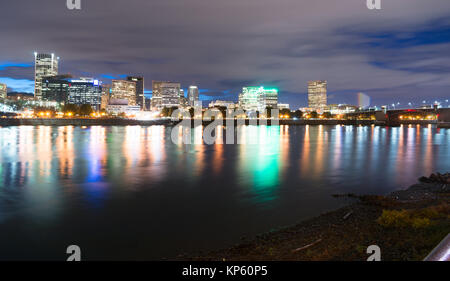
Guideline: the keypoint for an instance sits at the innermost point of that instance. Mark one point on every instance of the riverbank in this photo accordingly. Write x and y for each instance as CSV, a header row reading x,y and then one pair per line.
x,y
132,122
405,224
80,122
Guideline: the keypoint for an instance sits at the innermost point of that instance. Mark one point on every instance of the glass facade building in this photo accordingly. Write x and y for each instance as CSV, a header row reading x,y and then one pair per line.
x,y
258,98
267,98
64,90
140,98
55,88
193,96
85,91
44,65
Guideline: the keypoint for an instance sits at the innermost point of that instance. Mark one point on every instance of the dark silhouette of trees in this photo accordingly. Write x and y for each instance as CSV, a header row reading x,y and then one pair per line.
x,y
286,111
327,115
297,114
314,114
85,110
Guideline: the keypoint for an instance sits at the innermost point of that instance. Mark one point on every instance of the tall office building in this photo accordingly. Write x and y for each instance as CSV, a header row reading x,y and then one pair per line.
x,y
181,93
44,65
241,100
193,96
140,98
250,98
64,90
183,99
258,98
317,95
165,94
106,93
3,91
55,88
122,89
267,98
85,91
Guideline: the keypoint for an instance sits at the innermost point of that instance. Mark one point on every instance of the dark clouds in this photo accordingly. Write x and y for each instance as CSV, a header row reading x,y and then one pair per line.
x,y
398,53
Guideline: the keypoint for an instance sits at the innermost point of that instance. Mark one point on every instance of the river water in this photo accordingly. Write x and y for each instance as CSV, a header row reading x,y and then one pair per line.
x,y
131,193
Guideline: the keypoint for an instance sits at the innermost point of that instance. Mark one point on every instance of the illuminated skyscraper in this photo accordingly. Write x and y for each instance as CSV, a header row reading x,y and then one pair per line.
x,y
64,90
250,98
122,89
258,98
3,91
165,94
106,93
317,95
55,88
44,65
85,91
267,98
140,98
183,99
193,96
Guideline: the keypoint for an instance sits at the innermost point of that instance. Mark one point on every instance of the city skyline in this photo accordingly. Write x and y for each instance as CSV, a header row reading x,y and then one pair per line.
x,y
397,54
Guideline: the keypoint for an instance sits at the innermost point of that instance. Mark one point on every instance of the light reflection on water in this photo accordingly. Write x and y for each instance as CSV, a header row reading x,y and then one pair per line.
x,y
133,188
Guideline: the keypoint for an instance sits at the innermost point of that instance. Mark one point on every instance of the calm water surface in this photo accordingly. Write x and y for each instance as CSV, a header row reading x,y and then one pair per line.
x,y
131,193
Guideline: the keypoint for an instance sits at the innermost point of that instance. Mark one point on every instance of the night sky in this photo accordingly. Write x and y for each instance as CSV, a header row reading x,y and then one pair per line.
x,y
398,54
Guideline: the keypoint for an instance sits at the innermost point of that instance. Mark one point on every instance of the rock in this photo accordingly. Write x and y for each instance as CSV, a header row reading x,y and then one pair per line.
x,y
433,177
424,179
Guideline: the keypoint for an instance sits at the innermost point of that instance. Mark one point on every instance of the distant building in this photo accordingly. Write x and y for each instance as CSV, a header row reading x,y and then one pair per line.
x,y
85,91
148,102
3,91
165,94
222,103
317,95
193,95
283,106
118,106
122,89
241,100
140,98
267,98
20,96
44,65
106,94
250,98
183,99
258,98
64,90
55,88
341,108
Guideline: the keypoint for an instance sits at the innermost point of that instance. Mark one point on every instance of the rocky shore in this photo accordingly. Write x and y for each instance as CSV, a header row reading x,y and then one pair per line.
x,y
405,224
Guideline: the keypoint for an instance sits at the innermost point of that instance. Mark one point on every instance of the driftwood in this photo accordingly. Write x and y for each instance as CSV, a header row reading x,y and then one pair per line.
x,y
307,246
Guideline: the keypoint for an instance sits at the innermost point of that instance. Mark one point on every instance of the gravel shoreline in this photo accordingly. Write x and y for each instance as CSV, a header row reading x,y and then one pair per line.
x,y
405,224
